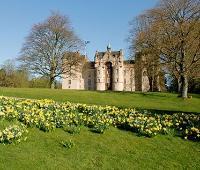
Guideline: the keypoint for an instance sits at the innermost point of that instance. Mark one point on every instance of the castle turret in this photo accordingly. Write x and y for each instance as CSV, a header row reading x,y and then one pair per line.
x,y
109,47
118,76
100,75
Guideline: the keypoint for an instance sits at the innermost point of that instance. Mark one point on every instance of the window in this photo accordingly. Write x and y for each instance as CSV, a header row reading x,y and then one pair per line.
x,y
124,81
98,71
117,79
89,82
98,80
117,71
69,82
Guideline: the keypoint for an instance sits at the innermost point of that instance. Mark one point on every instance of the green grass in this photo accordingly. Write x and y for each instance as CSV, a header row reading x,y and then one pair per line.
x,y
116,149
154,101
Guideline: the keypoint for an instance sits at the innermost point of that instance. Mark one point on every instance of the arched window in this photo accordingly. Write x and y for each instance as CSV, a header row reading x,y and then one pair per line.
x,y
108,75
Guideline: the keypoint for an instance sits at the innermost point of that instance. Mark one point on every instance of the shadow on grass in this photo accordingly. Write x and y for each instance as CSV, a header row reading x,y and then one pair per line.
x,y
161,112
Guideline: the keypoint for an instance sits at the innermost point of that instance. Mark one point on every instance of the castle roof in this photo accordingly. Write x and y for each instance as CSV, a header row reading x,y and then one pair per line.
x,y
113,53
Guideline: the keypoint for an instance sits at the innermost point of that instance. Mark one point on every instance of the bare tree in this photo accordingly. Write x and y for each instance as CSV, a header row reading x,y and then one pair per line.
x,y
73,63
173,32
46,45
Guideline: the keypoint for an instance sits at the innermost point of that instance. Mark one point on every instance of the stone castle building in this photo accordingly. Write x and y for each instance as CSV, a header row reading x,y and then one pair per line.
x,y
109,71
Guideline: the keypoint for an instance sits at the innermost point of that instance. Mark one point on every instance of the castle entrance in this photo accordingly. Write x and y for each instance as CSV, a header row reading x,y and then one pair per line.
x,y
108,75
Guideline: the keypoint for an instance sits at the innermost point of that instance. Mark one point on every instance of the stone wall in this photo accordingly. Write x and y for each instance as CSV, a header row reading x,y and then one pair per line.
x,y
129,77
89,79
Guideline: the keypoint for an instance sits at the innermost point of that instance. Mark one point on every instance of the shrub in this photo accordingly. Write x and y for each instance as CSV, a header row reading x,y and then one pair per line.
x,y
68,144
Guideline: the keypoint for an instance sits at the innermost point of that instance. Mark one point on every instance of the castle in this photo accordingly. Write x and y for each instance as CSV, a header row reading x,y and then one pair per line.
x,y
109,71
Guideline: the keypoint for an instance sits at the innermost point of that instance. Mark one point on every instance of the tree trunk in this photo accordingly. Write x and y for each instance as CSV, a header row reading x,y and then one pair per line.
x,y
52,74
183,75
157,83
52,83
184,89
179,85
150,83
52,79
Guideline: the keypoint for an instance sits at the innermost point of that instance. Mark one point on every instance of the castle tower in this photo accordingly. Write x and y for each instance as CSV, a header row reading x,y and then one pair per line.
x,y
100,78
118,76
109,70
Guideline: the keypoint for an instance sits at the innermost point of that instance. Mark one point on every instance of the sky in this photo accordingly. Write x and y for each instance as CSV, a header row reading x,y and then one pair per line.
x,y
98,21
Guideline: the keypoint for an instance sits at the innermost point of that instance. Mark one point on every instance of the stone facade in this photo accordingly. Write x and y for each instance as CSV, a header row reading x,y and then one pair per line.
x,y
109,71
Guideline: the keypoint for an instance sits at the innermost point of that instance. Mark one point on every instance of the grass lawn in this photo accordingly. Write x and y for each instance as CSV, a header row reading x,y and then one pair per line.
x,y
116,149
155,101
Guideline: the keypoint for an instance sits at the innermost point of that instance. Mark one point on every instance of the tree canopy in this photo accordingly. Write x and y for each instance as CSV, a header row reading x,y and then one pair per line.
x,y
45,46
170,31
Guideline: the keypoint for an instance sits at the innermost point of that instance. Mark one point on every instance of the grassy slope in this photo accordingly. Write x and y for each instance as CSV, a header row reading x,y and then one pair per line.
x,y
115,149
157,101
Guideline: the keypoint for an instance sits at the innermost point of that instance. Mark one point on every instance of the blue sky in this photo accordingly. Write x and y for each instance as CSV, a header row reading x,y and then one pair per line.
x,y
99,21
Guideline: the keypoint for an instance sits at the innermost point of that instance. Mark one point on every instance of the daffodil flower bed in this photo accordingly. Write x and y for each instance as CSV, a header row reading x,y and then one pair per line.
x,y
48,115
13,134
